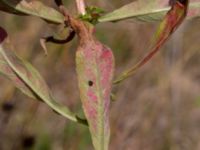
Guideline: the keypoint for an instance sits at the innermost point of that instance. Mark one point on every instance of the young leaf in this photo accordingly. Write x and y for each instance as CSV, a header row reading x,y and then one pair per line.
x,y
92,14
27,79
145,10
95,66
35,8
170,23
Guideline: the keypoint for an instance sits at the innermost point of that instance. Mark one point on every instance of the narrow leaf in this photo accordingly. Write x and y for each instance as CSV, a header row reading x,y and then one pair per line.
x,y
146,10
26,77
170,23
34,7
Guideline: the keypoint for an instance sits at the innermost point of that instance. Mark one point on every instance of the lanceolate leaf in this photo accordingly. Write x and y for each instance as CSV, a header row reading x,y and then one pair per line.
x,y
170,23
148,10
95,66
34,7
26,77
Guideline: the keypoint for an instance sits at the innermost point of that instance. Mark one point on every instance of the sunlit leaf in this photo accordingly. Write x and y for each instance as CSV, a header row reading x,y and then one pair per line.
x,y
148,10
34,7
170,23
26,77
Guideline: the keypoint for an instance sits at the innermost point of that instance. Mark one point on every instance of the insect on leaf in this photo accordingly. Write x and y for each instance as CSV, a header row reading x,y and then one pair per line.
x,y
26,78
95,66
170,23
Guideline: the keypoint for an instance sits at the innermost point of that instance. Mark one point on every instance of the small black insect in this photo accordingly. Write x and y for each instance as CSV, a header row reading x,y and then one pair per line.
x,y
90,83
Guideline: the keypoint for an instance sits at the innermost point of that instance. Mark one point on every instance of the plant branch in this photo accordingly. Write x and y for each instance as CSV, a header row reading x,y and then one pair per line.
x,y
80,4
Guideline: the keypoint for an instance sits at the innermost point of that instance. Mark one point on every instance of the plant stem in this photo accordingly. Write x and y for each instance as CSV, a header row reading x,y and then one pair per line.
x,y
81,7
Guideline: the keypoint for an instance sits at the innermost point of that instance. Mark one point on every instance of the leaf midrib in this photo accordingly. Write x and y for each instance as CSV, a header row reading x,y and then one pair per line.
x,y
100,108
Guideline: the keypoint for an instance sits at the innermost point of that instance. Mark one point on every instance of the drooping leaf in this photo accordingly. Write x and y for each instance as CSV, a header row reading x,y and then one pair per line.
x,y
26,78
170,23
95,66
34,7
148,10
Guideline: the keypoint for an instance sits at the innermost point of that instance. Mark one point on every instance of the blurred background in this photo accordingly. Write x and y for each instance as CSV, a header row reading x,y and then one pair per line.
x,y
156,109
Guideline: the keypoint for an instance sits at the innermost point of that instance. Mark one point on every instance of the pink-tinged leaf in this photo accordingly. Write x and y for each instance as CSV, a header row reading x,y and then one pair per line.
x,y
34,7
26,78
95,66
170,23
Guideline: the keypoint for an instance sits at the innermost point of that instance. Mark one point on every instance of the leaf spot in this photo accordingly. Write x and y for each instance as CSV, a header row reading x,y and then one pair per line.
x,y
90,83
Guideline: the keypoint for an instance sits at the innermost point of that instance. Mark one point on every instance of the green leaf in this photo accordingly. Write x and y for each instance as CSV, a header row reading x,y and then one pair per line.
x,y
169,24
34,7
27,79
92,14
145,10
